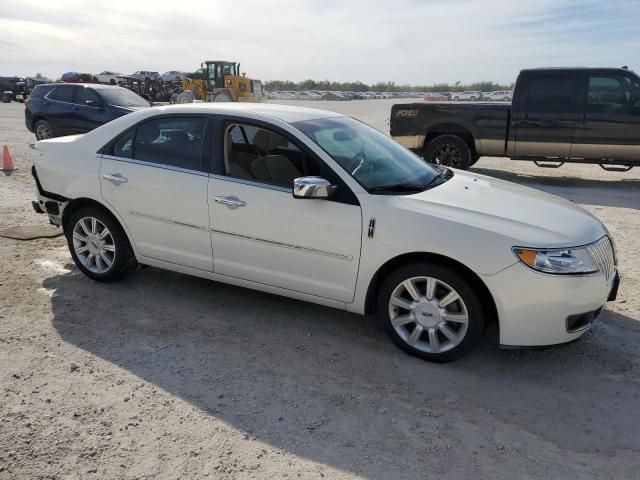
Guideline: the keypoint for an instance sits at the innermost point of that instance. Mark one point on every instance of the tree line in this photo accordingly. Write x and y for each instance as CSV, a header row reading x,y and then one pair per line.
x,y
287,85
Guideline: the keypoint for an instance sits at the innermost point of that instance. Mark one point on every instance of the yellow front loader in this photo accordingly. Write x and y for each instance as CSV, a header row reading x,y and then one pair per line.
x,y
219,81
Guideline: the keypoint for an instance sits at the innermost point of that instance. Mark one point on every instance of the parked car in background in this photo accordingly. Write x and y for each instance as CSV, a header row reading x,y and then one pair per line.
x,y
145,75
436,97
76,77
307,96
57,109
171,76
336,96
559,115
436,253
112,78
466,96
498,96
13,88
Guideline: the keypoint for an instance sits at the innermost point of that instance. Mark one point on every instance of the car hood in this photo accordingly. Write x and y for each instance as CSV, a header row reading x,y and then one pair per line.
x,y
527,216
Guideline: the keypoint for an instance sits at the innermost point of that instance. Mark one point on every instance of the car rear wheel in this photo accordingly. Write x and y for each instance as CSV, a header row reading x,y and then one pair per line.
x,y
43,130
98,245
448,150
431,312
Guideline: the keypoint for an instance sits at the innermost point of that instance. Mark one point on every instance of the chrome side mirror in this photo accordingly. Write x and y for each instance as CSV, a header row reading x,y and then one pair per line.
x,y
312,187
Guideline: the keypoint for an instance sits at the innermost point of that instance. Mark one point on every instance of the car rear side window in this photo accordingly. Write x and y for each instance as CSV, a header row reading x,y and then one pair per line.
x,y
62,93
551,92
40,91
171,141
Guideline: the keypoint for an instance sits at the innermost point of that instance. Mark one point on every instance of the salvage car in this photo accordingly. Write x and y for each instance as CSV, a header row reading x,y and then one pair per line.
x,y
317,206
558,115
58,109
12,88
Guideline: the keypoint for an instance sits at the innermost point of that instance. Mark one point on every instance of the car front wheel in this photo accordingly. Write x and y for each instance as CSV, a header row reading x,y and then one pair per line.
x,y
430,311
98,245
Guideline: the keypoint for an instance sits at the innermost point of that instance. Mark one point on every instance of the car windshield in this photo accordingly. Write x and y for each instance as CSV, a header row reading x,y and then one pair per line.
x,y
122,98
373,159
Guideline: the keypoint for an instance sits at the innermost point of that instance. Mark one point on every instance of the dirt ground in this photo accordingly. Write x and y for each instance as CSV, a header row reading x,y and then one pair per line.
x,y
173,377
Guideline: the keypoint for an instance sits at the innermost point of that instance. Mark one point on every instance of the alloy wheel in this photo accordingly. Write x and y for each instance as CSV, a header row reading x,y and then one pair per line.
x,y
428,314
446,154
94,245
43,131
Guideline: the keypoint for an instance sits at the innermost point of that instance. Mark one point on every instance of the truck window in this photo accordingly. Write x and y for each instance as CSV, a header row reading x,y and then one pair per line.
x,y
611,94
551,92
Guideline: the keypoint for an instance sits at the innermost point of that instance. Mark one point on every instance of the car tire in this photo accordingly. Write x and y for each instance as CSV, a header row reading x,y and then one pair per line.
x,y
418,324
456,99
474,160
98,245
112,82
450,151
43,130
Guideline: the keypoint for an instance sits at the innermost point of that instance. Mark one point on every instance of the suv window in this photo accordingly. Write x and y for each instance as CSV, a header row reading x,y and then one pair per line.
x,y
169,141
84,95
551,92
62,93
40,91
264,156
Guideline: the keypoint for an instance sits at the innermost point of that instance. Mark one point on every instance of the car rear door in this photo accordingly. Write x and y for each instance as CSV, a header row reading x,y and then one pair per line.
x,y
58,107
155,177
610,123
545,114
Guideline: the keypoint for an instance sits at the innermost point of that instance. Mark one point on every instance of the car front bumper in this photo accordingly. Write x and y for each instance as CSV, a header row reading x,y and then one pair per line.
x,y
537,309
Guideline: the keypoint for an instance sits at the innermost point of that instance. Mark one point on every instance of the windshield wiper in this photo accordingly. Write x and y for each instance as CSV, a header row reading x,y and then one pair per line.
x,y
400,187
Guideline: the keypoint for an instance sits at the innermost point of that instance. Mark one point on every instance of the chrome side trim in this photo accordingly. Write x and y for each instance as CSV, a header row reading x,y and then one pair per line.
x,y
169,221
251,183
156,165
292,246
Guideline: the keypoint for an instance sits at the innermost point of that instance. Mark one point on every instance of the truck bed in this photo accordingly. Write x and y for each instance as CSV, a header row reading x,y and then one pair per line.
x,y
487,122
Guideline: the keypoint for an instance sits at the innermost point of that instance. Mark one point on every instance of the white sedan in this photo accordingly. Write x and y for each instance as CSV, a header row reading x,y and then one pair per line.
x,y
317,206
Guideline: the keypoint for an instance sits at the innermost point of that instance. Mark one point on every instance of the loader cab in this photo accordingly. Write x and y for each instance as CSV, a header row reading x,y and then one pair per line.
x,y
217,71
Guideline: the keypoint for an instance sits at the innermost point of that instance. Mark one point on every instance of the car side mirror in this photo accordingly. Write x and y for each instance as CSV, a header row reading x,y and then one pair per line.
x,y
312,187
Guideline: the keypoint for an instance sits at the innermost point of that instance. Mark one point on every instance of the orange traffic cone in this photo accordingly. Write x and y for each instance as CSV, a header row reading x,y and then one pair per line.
x,y
7,161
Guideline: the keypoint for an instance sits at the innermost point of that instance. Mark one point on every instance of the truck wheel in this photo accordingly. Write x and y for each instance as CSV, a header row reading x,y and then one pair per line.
x,y
450,151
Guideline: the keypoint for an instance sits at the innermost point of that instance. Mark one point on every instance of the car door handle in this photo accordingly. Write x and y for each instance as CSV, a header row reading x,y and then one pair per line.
x,y
231,202
115,178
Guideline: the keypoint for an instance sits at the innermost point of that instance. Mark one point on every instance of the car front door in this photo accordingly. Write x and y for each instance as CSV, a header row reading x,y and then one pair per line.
x,y
154,177
261,233
610,125
90,110
544,119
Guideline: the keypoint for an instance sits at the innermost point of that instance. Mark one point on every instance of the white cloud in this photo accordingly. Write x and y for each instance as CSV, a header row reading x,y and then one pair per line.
x,y
406,41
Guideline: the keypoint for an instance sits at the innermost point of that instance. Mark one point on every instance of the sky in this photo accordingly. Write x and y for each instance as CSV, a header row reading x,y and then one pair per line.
x,y
414,42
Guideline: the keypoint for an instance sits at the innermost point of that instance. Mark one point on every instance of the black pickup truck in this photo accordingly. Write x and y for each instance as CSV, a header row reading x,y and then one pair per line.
x,y
558,115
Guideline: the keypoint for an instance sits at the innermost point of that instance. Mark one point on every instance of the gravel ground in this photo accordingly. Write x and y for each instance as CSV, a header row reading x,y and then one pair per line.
x,y
168,376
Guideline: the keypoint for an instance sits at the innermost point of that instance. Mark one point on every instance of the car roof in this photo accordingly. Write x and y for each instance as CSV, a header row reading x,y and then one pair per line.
x,y
286,113
556,69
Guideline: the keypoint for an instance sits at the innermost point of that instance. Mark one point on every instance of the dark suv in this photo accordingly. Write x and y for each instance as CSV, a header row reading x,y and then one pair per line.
x,y
57,109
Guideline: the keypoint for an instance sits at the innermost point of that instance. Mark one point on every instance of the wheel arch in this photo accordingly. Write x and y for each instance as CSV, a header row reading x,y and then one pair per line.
x,y
78,203
36,118
489,305
463,131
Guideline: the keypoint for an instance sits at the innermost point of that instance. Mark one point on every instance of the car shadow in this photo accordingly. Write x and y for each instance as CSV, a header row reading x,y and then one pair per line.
x,y
624,193
329,386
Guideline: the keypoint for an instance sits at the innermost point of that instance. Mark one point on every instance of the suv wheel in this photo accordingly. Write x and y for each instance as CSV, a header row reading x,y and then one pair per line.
x,y
448,150
431,312
43,130
98,245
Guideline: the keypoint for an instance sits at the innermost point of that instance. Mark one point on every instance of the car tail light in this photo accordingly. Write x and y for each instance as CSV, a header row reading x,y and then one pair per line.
x,y
26,102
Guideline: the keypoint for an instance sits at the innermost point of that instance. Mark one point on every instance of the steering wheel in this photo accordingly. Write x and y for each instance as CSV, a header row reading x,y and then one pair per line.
x,y
358,160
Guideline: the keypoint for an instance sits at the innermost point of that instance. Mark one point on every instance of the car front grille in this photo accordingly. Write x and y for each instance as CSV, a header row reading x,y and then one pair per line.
x,y
603,256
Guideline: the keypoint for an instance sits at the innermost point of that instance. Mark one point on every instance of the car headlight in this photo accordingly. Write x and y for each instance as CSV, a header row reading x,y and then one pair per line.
x,y
557,260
